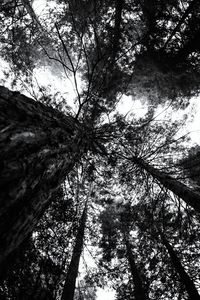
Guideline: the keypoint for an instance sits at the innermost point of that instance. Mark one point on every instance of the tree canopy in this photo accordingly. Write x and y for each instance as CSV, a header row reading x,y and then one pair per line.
x,y
93,198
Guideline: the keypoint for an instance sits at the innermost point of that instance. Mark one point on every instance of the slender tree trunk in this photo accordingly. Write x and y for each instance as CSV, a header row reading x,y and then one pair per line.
x,y
184,277
72,273
28,6
138,290
188,11
38,147
117,31
190,196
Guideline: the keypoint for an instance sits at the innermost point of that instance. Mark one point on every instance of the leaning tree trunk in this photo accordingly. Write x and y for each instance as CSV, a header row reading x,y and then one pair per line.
x,y
185,15
72,273
139,292
184,277
189,195
38,147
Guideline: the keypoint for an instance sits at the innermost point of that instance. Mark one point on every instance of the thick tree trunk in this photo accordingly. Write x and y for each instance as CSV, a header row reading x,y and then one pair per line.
x,y
190,196
72,273
184,278
139,292
38,147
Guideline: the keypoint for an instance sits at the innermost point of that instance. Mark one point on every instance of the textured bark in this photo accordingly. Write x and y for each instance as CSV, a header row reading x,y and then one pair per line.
x,y
38,147
72,273
184,277
190,196
139,292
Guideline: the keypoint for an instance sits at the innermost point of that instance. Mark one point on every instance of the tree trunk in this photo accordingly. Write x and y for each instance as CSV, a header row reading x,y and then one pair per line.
x,y
38,147
138,287
185,15
184,278
72,273
117,31
190,196
28,6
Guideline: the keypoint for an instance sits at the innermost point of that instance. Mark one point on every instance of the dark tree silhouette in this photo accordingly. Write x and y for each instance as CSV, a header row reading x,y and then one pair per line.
x,y
188,194
184,277
39,147
72,272
50,154
139,291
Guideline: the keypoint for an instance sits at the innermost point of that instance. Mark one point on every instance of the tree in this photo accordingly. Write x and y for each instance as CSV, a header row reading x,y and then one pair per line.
x,y
50,155
190,165
167,52
161,275
72,272
189,195
115,242
188,283
49,248
47,145
138,287
159,216
143,149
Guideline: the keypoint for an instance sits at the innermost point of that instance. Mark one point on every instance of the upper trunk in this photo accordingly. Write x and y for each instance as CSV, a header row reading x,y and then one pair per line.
x,y
117,31
38,147
30,11
190,196
185,15
138,286
70,282
184,278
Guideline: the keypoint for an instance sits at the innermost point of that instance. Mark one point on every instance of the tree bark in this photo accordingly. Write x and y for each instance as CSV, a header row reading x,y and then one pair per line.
x,y
138,286
38,147
190,196
184,277
72,273
117,31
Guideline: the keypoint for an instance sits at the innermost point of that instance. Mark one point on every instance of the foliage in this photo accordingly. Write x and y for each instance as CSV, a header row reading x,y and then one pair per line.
x,y
148,50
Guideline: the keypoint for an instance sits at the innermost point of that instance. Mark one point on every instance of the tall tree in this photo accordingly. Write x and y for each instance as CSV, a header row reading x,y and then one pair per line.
x,y
160,214
126,224
184,277
139,291
72,272
39,147
188,194
146,48
115,243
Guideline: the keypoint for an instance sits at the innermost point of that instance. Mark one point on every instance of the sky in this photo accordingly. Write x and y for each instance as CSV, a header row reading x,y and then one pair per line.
x,y
105,294
126,106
